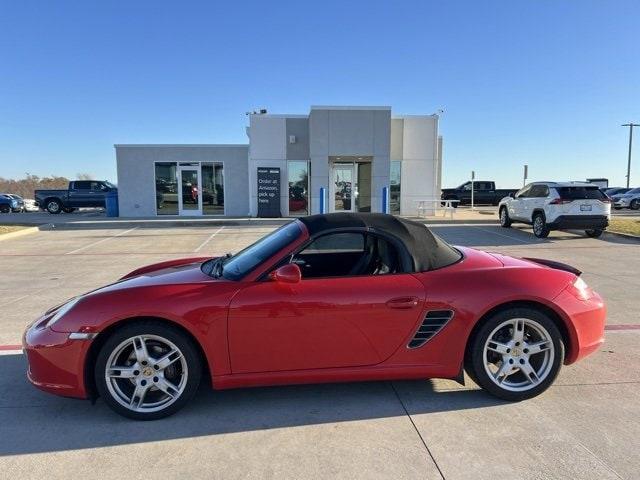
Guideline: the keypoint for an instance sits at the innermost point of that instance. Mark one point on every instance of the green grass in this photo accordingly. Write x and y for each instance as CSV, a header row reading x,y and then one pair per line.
x,y
625,226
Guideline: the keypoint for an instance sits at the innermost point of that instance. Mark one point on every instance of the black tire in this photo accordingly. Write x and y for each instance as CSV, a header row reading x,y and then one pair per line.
x,y
185,345
635,204
540,228
5,209
68,209
476,354
53,206
617,208
594,233
505,221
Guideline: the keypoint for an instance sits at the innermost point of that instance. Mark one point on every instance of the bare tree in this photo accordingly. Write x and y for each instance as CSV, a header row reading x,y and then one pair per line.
x,y
84,176
25,186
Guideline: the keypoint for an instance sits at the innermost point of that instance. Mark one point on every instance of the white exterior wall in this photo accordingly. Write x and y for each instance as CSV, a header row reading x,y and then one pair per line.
x,y
420,175
267,148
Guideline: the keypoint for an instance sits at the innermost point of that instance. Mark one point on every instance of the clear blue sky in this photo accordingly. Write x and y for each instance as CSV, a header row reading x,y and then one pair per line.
x,y
546,83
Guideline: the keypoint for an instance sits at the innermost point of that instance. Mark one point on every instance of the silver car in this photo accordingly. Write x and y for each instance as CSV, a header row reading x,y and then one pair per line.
x,y
631,199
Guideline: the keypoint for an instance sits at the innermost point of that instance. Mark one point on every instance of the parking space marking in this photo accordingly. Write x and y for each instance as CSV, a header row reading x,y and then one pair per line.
x,y
208,239
101,241
14,300
506,236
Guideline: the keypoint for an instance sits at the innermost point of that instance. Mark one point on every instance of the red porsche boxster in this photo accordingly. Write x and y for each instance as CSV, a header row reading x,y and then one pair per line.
x,y
326,298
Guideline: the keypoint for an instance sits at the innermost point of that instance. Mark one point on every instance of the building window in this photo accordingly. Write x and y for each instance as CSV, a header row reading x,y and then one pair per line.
x,y
212,189
394,187
298,173
166,188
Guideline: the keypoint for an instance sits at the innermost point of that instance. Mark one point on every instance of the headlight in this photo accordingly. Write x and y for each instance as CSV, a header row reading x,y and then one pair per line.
x,y
63,310
14,203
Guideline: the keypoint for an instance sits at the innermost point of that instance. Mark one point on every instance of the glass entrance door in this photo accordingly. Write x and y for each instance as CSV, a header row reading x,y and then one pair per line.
x,y
189,190
342,185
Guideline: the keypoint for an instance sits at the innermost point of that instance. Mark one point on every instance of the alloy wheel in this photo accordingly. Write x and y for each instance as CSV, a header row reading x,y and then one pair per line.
x,y
146,373
518,354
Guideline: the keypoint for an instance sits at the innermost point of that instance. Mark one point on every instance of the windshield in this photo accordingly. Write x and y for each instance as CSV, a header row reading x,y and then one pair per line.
x,y
580,193
109,184
634,191
237,266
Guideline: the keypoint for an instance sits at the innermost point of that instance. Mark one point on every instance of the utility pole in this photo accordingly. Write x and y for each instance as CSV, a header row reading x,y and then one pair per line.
x,y
526,175
630,125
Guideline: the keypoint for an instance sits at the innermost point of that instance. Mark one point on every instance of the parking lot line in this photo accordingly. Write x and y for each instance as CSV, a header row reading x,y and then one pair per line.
x,y
101,241
510,237
208,239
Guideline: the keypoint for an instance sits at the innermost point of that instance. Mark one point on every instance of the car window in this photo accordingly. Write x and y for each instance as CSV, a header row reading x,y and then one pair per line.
x,y
237,266
634,190
538,191
82,185
348,254
338,242
98,186
523,192
580,193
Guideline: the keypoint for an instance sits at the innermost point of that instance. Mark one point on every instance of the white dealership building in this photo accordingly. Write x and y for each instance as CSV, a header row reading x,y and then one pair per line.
x,y
335,158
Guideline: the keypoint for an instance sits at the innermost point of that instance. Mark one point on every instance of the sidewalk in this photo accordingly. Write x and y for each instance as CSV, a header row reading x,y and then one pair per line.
x,y
96,220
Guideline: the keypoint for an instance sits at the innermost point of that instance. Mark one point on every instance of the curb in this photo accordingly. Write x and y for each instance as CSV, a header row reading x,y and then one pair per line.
x,y
624,235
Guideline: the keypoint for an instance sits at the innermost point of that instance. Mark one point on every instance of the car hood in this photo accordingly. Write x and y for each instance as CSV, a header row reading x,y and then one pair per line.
x,y
174,272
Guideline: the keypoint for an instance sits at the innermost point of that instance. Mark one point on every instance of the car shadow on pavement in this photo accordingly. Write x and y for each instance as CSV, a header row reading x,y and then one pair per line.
x,y
36,422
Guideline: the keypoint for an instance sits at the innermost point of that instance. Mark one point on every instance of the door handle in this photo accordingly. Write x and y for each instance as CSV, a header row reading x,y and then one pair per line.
x,y
403,302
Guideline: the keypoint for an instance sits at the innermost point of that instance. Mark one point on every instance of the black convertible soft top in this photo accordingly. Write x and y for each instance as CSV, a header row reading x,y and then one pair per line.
x,y
427,250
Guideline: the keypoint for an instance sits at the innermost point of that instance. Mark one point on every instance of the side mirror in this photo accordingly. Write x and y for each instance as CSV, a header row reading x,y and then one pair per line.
x,y
289,273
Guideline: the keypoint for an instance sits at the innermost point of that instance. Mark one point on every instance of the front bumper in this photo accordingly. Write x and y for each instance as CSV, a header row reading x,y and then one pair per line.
x,y
56,363
580,222
621,203
585,324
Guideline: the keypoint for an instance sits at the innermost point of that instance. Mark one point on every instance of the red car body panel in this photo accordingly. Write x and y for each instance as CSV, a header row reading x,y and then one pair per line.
x,y
261,332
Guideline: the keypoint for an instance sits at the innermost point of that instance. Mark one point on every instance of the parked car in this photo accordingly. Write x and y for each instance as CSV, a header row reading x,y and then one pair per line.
x,y
630,199
616,191
556,206
484,193
16,203
7,204
325,298
81,193
30,205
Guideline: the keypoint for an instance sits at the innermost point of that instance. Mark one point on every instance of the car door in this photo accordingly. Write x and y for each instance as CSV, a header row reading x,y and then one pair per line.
x,y
323,321
517,204
79,193
537,199
96,194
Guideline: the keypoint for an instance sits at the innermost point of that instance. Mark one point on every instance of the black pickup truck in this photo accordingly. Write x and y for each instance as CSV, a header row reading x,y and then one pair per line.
x,y
81,193
484,193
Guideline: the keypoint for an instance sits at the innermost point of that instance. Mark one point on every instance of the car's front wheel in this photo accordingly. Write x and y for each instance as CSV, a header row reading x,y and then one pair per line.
x,y
516,354
147,370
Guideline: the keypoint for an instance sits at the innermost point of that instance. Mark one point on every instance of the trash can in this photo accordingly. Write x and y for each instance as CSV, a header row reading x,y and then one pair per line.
x,y
111,204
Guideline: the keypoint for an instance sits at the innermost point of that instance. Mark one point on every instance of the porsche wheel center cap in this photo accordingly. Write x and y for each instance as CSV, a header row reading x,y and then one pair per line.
x,y
147,371
516,352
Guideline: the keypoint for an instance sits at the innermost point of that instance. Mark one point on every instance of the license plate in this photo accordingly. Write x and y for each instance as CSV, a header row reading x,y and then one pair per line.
x,y
585,208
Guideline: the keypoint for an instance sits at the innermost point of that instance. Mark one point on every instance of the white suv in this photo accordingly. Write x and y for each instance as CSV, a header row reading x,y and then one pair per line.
x,y
557,205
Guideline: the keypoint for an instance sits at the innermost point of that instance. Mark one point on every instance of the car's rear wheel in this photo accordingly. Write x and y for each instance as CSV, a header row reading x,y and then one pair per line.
x,y
540,228
516,354
147,370
54,206
594,232
505,221
635,204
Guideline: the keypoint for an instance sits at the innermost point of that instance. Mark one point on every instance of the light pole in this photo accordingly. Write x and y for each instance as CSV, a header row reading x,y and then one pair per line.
x,y
630,125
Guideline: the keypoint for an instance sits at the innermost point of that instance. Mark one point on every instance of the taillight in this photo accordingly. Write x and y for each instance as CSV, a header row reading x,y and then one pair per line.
x,y
580,289
560,201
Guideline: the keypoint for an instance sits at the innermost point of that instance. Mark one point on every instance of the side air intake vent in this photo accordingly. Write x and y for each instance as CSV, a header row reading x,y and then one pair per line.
x,y
432,324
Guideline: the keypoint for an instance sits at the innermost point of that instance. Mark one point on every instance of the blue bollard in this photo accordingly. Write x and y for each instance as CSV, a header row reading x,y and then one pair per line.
x,y
323,195
385,199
